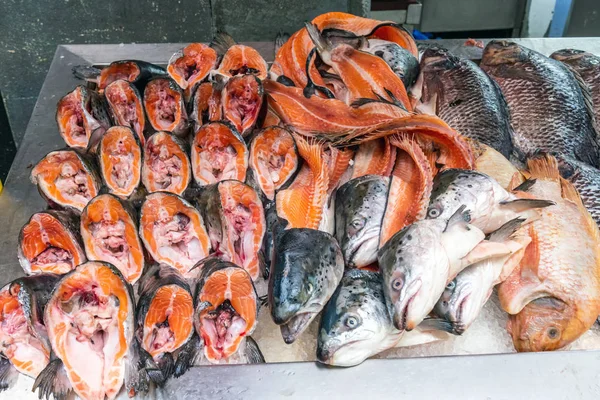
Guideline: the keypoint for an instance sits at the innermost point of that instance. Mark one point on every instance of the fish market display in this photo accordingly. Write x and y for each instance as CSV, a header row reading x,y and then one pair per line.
x,y
126,107
166,164
163,101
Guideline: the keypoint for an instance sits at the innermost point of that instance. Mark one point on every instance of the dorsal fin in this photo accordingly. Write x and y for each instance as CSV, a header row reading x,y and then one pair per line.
x,y
543,167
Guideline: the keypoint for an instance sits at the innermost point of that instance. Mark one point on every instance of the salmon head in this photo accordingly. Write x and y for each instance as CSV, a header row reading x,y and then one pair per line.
x,y
191,65
359,208
218,153
166,165
165,108
120,160
90,324
66,179
273,158
109,233
307,268
242,100
173,232
226,308
355,324
49,242
545,324
127,109
23,337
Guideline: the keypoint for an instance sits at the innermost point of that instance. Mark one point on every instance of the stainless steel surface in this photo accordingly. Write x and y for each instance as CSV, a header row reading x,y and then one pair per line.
x,y
468,15
413,13
559,375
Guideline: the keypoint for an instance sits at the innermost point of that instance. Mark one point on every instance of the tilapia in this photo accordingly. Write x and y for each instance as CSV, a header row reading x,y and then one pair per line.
x,y
50,243
126,106
307,267
90,323
235,221
547,106
134,71
173,232
586,180
120,161
191,65
218,153
164,322
166,164
359,208
24,340
554,295
242,99
461,94
109,234
376,157
165,107
273,159
226,310
82,118
66,179
237,59
206,104
404,64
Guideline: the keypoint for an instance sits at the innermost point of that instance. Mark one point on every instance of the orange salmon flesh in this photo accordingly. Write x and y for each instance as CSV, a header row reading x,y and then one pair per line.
x,y
242,60
166,166
127,107
120,161
193,66
242,100
72,124
163,105
126,70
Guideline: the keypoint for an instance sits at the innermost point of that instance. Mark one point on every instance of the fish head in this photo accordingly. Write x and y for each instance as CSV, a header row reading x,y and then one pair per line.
x,y
574,57
307,268
503,52
545,324
360,205
355,322
437,58
414,267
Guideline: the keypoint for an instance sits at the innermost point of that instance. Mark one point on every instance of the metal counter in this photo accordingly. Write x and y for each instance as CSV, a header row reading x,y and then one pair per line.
x,y
559,375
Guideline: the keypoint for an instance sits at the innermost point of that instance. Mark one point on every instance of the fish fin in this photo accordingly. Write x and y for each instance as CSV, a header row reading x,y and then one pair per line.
x,y
515,181
522,205
284,80
544,167
311,87
462,216
166,364
458,226
280,40
8,374
521,295
136,378
189,355
524,186
570,193
264,300
53,380
321,44
437,324
264,267
86,72
222,42
506,231
253,353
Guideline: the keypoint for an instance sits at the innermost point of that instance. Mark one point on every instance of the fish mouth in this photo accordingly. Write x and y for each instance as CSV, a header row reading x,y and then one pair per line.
x,y
360,256
327,354
458,326
295,326
501,52
401,318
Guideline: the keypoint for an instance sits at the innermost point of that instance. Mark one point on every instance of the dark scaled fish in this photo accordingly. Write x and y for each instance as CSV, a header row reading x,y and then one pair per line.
x,y
548,108
404,64
164,323
307,267
82,118
24,343
191,65
126,107
50,243
586,179
134,71
242,99
166,164
359,209
460,93
66,179
165,107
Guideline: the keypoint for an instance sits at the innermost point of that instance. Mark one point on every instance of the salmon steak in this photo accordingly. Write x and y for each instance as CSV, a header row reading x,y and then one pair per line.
x,y
166,165
191,65
89,319
226,308
134,71
206,104
273,159
165,108
126,106
66,179
242,99
237,59
218,153
120,161
82,118
50,243
235,220
109,234
173,232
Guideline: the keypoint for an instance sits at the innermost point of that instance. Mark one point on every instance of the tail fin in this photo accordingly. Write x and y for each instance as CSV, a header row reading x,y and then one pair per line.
x,y
222,42
86,72
320,43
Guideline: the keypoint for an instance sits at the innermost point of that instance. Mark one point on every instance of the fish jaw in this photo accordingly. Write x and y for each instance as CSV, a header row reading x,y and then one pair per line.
x,y
364,250
296,325
349,354
499,52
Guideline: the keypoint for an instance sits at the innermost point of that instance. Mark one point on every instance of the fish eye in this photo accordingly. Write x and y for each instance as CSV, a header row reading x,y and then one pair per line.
x,y
351,322
434,212
356,225
397,284
451,285
553,333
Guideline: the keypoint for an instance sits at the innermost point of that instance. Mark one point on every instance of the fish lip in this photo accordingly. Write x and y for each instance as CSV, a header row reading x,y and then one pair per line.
x,y
289,333
332,350
400,319
370,235
458,326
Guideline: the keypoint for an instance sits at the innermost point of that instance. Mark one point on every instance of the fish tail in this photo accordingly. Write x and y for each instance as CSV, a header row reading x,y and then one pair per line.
x,y
136,378
190,354
53,380
316,37
222,42
253,352
543,167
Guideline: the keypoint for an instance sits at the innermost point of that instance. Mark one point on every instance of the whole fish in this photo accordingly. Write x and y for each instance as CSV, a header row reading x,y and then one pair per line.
x,y
164,322
120,161
218,153
134,71
235,220
554,295
547,106
173,232
307,267
242,100
24,343
359,208
50,243
404,64
226,311
588,67
82,118
191,65
166,164
165,107
66,179
109,233
126,106
586,180
461,94
90,324
237,59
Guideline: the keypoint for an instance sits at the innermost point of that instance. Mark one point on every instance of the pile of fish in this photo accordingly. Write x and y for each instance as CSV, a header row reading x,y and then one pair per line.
x,y
385,193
